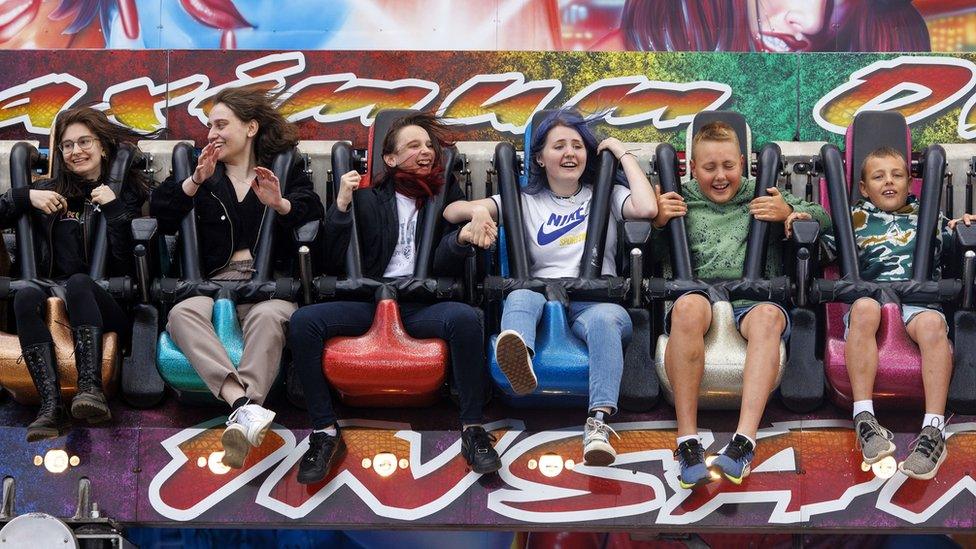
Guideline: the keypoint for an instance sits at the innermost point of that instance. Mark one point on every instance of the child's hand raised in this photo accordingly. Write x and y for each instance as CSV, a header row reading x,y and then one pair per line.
x,y
669,206
795,216
770,208
966,219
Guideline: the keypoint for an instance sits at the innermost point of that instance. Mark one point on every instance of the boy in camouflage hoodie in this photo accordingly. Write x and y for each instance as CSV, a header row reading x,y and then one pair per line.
x,y
885,221
716,207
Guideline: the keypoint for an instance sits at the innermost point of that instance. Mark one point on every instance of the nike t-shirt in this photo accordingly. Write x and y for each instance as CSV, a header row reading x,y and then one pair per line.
x,y
555,230
405,252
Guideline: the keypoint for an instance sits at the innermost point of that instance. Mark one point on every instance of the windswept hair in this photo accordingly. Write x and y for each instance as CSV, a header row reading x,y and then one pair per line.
x,y
569,118
275,134
109,135
440,137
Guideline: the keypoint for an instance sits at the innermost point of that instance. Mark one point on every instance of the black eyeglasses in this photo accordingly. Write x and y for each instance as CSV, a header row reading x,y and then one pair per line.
x,y
83,143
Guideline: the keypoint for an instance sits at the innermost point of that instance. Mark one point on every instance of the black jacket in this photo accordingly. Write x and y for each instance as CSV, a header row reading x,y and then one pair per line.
x,y
378,228
214,207
118,214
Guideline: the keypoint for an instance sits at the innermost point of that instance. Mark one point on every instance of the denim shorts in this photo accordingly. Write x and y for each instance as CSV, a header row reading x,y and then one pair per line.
x,y
738,313
908,312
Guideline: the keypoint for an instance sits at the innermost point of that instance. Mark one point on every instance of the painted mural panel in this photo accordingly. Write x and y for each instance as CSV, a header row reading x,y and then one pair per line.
x,y
335,95
541,25
936,94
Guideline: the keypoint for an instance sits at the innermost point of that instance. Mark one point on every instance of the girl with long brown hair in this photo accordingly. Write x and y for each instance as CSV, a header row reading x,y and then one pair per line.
x,y
231,190
84,145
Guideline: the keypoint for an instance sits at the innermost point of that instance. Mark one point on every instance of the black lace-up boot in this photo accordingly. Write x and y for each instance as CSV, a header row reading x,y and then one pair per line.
x,y
52,420
90,402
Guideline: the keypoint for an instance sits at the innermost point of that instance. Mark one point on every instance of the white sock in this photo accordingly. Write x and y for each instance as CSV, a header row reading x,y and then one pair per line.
x,y
750,439
934,420
863,406
330,430
682,440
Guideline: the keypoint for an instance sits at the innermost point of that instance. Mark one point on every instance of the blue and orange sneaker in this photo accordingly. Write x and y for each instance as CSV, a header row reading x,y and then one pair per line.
x,y
734,460
691,459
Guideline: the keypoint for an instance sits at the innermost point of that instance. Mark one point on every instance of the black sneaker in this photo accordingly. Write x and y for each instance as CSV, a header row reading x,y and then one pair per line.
x,y
478,451
323,451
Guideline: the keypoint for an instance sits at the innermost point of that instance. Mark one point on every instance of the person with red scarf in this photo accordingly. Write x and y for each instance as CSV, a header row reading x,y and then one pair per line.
x,y
387,226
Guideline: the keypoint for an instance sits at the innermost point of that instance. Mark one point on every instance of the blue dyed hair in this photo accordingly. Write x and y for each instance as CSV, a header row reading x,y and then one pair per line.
x,y
570,118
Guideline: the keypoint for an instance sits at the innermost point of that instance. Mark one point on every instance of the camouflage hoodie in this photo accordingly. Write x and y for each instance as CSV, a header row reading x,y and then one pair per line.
x,y
886,241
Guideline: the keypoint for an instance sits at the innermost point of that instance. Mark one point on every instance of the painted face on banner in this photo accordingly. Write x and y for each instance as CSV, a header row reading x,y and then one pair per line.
x,y
785,25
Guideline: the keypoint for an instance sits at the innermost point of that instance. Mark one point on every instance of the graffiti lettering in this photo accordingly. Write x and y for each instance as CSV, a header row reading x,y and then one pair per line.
x,y
627,100
779,476
36,103
551,484
802,469
408,489
139,103
917,87
917,501
194,480
505,101
338,97
268,73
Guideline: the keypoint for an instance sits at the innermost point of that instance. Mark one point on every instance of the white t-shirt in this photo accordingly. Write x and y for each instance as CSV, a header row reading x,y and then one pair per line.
x,y
405,253
555,230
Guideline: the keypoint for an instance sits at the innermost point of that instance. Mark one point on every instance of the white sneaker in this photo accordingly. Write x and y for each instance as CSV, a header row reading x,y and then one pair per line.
x,y
246,427
515,362
596,443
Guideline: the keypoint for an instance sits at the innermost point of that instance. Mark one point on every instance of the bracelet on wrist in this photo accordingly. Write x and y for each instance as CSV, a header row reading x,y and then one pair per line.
x,y
194,181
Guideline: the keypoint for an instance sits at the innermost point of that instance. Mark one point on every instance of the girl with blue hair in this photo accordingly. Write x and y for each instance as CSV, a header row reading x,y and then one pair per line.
x,y
562,170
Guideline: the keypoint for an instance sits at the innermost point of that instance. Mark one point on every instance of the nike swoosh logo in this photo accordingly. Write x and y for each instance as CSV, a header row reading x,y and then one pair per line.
x,y
547,238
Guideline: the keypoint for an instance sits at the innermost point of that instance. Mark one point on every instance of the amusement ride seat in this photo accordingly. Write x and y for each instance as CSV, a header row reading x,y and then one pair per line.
x,y
173,365
561,361
386,366
899,376
725,348
141,385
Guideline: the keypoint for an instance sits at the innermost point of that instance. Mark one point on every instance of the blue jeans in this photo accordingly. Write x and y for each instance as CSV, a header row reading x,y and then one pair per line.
x,y
604,327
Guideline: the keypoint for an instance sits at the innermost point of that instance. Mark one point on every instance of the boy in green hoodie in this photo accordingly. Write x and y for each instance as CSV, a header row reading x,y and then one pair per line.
x,y
716,208
885,221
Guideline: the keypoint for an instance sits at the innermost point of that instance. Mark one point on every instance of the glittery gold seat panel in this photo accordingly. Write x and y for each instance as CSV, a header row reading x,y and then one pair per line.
x,y
13,371
725,358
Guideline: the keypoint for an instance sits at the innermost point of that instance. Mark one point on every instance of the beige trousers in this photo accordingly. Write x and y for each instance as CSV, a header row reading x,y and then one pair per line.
x,y
265,327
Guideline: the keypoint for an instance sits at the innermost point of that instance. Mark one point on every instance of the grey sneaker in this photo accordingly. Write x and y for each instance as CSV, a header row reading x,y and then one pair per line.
x,y
927,455
596,443
873,439
515,362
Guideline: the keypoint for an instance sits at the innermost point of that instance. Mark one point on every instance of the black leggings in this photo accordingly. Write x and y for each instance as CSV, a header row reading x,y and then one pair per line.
x,y
87,303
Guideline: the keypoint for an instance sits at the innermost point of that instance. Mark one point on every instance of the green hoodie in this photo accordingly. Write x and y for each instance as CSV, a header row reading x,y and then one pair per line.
x,y
717,233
